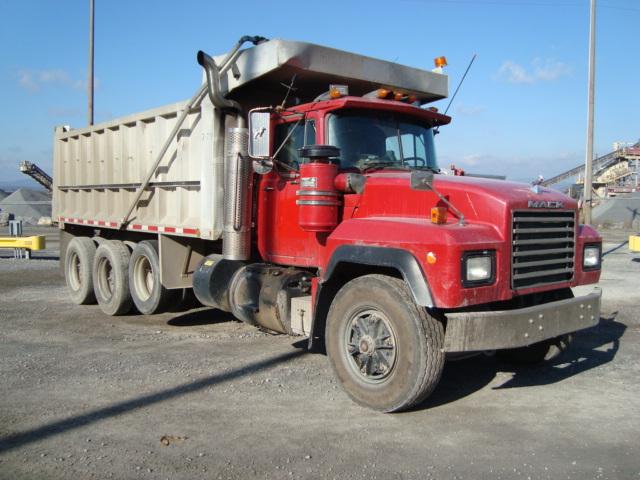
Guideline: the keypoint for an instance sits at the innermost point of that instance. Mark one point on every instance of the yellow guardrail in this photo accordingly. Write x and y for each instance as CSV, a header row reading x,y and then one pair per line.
x,y
634,243
36,242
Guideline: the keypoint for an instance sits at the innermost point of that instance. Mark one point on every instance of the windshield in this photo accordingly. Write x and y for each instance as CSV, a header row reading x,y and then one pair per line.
x,y
374,139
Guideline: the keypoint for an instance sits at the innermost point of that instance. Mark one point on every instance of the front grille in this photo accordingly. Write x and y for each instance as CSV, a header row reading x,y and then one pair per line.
x,y
543,248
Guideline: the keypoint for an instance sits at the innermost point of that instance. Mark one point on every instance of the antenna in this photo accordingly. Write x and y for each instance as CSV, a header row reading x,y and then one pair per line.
x,y
437,130
289,90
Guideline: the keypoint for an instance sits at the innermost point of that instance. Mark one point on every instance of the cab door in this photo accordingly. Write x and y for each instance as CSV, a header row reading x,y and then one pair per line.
x,y
280,238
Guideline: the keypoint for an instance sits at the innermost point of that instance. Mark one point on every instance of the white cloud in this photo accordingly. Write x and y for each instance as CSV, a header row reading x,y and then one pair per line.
x,y
541,70
548,70
34,80
514,73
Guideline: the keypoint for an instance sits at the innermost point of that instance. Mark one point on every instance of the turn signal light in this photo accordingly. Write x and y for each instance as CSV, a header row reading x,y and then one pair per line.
x,y
439,215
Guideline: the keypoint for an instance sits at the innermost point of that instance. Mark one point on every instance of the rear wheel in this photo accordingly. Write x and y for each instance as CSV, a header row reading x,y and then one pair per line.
x,y
78,262
147,292
111,279
385,350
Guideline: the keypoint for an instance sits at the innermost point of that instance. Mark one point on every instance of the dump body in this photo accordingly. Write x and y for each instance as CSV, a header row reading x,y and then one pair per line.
x,y
97,171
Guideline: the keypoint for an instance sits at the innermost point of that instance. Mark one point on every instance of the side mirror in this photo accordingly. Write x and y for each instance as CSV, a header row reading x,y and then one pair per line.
x,y
422,180
259,134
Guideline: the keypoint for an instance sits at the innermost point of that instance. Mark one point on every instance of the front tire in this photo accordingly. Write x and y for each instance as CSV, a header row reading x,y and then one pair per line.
x,y
147,292
385,350
111,279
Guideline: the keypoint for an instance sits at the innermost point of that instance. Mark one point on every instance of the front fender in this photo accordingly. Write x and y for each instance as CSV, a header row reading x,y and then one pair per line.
x,y
443,244
395,258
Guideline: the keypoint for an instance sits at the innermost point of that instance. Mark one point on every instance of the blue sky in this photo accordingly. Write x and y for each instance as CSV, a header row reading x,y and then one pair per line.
x,y
521,111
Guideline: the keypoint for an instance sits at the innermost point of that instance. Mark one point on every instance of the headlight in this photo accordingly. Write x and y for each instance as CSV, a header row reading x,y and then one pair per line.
x,y
591,257
478,268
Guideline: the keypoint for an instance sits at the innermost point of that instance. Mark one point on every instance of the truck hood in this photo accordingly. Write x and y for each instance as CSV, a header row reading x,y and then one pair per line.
x,y
481,200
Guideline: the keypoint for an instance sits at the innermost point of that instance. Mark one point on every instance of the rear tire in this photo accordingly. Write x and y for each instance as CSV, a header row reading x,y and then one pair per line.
x,y
78,262
147,292
385,350
111,279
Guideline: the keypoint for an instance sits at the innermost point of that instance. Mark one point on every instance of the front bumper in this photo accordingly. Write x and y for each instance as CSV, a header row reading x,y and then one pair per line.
x,y
477,331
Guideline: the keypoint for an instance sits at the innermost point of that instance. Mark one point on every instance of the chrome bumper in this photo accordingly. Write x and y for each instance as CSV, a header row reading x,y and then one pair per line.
x,y
477,331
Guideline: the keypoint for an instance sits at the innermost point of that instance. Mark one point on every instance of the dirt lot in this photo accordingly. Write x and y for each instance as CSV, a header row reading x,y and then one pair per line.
x,y
84,395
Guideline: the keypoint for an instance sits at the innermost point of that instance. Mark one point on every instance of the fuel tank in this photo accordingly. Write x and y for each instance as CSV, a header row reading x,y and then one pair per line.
x,y
258,294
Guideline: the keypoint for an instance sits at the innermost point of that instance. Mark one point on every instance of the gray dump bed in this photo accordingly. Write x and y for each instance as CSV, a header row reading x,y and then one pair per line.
x,y
98,170
264,68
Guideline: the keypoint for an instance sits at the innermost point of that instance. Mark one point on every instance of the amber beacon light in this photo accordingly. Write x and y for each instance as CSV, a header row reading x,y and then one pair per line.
x,y
440,62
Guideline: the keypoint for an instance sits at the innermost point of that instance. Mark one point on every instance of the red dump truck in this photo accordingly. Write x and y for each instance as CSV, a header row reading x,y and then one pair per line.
x,y
299,189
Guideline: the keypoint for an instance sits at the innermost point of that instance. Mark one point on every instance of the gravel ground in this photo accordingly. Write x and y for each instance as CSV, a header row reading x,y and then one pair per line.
x,y
195,394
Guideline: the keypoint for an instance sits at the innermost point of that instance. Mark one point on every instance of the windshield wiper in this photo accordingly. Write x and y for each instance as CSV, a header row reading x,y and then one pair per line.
x,y
426,167
379,165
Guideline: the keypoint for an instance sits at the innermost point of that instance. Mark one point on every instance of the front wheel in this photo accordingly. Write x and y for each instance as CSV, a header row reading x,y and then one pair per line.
x,y
385,350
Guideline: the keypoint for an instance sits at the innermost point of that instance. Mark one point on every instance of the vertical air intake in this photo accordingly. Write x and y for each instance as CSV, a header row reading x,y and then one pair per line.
x,y
238,180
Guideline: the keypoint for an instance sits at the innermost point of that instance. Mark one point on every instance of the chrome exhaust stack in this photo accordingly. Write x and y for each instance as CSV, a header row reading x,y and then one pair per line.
x,y
238,188
238,173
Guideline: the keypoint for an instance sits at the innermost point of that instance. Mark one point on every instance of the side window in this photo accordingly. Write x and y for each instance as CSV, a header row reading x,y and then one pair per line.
x,y
409,146
310,132
303,134
391,145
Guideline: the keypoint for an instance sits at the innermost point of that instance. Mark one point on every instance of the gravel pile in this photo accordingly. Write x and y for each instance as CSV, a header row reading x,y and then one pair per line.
x,y
27,205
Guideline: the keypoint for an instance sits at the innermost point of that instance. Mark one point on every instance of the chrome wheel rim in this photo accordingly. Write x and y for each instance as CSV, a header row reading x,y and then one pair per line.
x,y
371,346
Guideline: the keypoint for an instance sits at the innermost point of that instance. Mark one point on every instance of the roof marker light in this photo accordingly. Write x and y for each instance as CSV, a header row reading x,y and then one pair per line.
x,y
440,62
337,91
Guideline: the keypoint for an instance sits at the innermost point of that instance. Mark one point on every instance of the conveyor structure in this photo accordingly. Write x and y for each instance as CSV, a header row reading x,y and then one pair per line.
x,y
37,174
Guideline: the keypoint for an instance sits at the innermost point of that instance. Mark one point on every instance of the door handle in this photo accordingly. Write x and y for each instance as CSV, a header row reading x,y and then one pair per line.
x,y
269,189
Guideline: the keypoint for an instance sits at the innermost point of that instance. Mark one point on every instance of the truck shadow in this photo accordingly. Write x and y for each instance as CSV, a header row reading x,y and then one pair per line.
x,y
202,316
590,349
48,430
617,247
